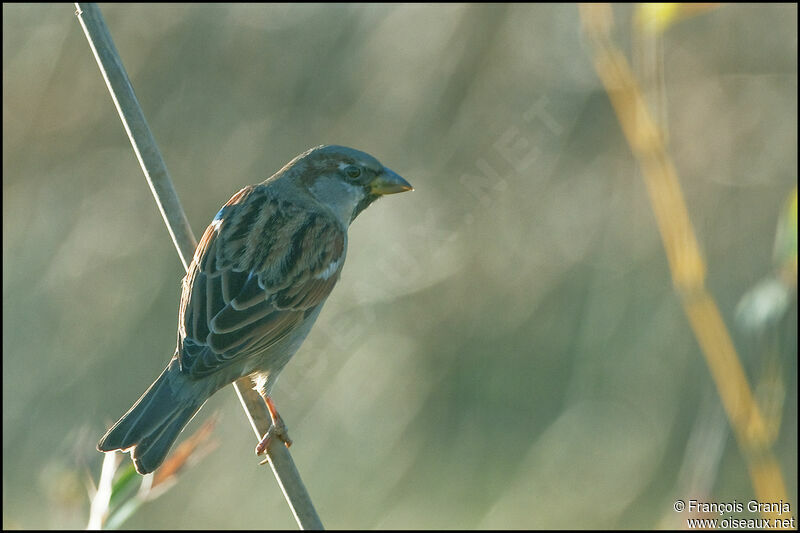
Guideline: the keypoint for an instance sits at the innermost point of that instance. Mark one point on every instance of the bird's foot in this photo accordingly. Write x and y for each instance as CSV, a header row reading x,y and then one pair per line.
x,y
276,430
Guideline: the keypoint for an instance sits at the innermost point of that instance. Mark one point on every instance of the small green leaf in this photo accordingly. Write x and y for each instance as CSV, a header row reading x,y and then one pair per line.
x,y
127,483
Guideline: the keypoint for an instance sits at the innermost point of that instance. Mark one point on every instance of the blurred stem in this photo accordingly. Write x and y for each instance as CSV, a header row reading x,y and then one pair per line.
x,y
155,171
99,507
144,145
279,458
684,256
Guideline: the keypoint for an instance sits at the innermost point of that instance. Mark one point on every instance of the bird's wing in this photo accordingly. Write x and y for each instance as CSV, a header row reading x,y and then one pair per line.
x,y
263,265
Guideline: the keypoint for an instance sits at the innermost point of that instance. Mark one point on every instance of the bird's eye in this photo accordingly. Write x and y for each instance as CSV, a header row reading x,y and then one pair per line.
x,y
352,172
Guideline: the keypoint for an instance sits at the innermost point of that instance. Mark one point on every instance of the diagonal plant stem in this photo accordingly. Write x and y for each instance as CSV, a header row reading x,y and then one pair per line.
x,y
686,263
155,171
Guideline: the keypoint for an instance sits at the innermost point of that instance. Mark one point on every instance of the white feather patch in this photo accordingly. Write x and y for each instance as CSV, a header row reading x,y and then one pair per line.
x,y
331,270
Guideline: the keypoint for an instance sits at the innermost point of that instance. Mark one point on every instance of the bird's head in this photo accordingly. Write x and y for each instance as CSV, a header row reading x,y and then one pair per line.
x,y
344,179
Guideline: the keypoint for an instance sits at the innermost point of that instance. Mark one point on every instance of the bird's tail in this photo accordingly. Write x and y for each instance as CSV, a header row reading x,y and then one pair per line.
x,y
151,426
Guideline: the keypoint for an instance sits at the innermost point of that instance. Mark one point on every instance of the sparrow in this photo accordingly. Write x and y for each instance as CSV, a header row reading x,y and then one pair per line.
x,y
257,282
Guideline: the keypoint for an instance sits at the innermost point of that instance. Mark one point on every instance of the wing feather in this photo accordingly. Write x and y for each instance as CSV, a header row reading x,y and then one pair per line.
x,y
250,294
229,319
259,270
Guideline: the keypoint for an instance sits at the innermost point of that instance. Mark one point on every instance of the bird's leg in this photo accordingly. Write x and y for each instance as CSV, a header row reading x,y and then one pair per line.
x,y
277,429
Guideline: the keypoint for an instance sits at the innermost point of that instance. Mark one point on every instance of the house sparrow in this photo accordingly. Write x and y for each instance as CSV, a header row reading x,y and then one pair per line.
x,y
260,275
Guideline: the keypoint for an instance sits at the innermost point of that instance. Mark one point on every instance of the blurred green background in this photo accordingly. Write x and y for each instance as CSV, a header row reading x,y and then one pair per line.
x,y
505,347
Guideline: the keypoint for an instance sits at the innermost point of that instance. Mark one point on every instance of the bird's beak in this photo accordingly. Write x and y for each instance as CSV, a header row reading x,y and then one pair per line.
x,y
389,182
